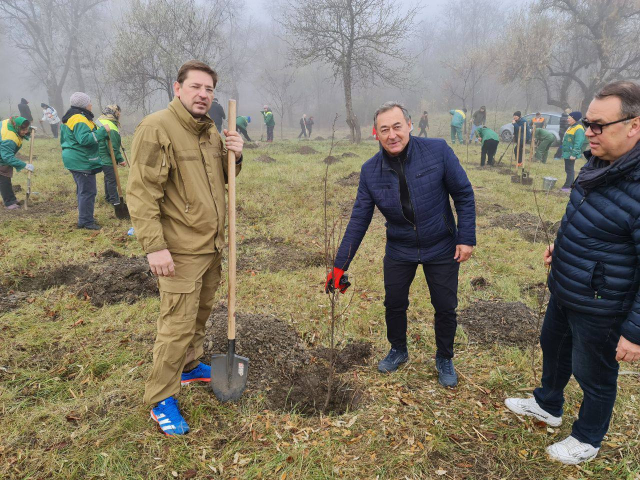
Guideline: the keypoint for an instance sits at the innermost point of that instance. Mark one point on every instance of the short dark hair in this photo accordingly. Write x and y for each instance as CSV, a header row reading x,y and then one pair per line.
x,y
385,107
196,65
627,92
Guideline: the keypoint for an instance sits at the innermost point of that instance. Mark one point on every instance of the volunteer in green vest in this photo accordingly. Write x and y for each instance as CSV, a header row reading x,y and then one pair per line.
x,y
572,143
269,121
241,126
457,122
80,141
12,133
111,117
490,143
544,139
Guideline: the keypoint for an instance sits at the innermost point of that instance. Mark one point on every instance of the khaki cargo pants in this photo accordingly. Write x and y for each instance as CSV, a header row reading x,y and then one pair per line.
x,y
186,301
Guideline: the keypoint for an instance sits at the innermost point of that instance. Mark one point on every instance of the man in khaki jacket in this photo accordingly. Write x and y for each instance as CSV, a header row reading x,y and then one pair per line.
x,y
176,197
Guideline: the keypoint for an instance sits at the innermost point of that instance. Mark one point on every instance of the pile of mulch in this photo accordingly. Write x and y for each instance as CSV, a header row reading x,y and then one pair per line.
x,y
281,368
276,254
265,159
488,322
330,160
351,180
305,150
528,225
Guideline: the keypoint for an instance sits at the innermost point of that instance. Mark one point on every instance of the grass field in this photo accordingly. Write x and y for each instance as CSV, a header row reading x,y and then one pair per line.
x,y
72,373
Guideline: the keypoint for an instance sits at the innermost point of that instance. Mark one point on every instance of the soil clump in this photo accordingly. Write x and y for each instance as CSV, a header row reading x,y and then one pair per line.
x,y
330,160
529,226
276,254
251,145
305,150
351,180
349,155
265,159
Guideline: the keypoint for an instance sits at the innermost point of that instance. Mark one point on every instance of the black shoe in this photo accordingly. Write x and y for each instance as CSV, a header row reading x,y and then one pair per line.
x,y
90,226
447,375
395,358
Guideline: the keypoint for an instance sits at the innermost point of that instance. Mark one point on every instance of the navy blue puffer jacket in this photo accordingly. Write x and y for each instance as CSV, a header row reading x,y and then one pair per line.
x,y
596,257
433,174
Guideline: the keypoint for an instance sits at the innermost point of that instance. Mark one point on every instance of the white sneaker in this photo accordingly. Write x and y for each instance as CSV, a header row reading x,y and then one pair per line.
x,y
572,451
529,407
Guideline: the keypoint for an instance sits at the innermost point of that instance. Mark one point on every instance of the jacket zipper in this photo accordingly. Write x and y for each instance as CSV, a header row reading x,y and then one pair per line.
x,y
415,228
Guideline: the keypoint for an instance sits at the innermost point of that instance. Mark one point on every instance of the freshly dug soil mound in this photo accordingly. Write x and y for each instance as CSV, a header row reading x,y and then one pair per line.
x,y
479,283
319,138
275,255
265,159
280,366
330,160
507,323
485,208
251,145
528,225
349,155
351,180
306,150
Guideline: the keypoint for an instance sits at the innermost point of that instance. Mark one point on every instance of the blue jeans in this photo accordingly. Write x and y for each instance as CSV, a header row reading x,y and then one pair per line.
x,y
473,130
583,345
86,192
110,185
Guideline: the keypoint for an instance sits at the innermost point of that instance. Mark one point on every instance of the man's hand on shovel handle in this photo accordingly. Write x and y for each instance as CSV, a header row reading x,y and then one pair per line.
x,y
161,263
234,142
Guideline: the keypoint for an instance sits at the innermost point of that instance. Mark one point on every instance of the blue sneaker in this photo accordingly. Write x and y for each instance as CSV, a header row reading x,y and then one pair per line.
x,y
447,375
202,373
168,416
395,358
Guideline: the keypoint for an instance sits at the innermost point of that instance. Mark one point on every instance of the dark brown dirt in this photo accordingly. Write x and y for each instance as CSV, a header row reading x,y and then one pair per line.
x,y
479,283
281,368
349,155
330,160
40,206
17,188
485,208
305,150
319,138
265,159
351,180
251,145
109,278
505,323
529,226
276,254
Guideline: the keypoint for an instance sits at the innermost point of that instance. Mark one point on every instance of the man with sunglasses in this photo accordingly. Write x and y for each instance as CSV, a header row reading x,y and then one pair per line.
x,y
593,317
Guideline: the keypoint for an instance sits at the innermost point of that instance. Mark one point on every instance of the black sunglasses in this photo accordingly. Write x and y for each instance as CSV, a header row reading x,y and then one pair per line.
x,y
596,128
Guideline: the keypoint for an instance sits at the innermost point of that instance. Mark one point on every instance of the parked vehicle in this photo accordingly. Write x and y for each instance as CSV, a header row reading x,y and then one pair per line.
x,y
552,121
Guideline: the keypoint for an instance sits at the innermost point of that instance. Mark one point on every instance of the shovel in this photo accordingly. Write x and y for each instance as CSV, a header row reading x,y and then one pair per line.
x,y
121,210
26,201
229,372
126,159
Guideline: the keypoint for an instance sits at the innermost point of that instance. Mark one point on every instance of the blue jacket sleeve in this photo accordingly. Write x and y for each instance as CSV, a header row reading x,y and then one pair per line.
x,y
631,326
8,149
358,224
461,191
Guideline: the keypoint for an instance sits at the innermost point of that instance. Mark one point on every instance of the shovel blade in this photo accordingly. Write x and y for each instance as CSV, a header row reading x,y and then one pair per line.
x,y
121,210
229,376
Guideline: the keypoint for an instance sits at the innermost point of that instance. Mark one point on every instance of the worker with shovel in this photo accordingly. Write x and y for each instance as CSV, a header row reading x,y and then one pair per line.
x,y
12,133
111,117
176,198
544,139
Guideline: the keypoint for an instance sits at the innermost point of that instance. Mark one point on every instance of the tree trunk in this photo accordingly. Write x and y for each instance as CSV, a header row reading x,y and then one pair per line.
x,y
54,93
78,69
352,119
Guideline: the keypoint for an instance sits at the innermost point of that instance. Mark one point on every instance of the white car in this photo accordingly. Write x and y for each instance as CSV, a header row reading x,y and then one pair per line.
x,y
552,124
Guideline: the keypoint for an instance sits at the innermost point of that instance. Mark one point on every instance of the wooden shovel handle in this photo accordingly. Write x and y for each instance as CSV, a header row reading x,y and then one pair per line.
x,y
114,163
231,181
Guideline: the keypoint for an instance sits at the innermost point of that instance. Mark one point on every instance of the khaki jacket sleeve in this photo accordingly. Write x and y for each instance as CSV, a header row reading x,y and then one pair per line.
x,y
145,189
225,163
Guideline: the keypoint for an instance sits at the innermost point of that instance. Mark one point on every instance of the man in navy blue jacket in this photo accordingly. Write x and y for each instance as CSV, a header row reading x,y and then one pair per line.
x,y
410,180
593,317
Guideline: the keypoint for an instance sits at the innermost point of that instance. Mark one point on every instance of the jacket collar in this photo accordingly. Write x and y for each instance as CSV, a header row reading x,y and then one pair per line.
x,y
598,172
195,126
405,154
77,110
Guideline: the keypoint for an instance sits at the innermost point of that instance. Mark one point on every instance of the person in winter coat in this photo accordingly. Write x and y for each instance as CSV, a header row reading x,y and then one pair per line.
x,y
544,139
479,118
423,124
564,124
80,140
50,115
176,198
411,180
25,110
216,112
241,125
457,122
310,123
490,141
269,121
572,144
592,320
13,131
520,126
303,126
111,117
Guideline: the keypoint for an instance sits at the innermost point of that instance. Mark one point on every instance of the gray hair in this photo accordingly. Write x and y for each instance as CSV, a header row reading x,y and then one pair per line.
x,y
385,107
629,95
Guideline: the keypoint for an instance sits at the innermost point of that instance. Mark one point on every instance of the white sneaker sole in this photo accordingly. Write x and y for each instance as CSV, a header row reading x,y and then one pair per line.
x,y
569,460
548,419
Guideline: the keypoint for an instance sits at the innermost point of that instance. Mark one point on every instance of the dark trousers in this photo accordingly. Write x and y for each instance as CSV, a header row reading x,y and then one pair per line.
x,y
423,131
6,190
442,279
583,345
110,185
270,133
54,130
86,192
309,128
244,132
569,166
489,148
518,151
303,131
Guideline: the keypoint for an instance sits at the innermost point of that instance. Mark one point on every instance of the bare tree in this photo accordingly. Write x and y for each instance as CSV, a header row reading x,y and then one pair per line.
x,y
361,40
47,31
278,86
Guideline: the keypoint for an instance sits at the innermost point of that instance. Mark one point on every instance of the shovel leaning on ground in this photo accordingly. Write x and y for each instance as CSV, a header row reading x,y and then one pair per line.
x,y
229,372
126,159
121,210
26,201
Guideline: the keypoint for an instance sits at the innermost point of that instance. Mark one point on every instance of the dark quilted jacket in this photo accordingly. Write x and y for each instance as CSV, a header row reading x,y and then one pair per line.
x,y
596,258
433,175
